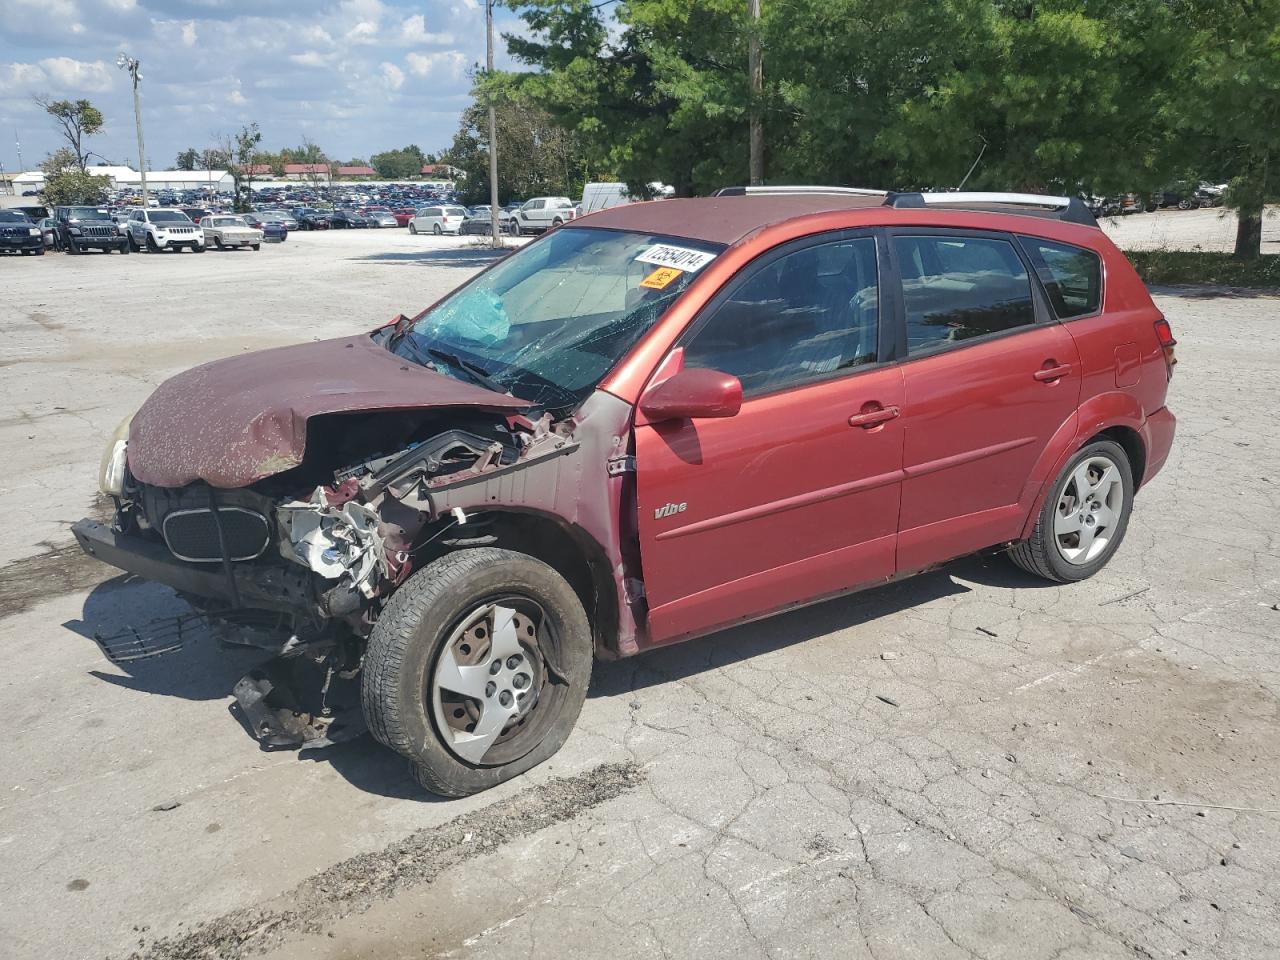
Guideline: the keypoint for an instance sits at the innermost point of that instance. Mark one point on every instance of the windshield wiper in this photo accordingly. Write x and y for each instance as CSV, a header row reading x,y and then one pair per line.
x,y
477,373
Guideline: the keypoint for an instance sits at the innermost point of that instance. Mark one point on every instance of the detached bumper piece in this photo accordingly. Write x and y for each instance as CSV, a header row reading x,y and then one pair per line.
x,y
273,712
166,635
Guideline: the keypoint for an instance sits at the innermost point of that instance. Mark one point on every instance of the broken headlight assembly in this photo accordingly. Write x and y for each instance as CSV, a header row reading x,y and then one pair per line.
x,y
112,469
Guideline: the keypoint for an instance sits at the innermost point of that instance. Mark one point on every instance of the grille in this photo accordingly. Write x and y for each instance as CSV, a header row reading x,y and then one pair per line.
x,y
179,229
193,534
99,231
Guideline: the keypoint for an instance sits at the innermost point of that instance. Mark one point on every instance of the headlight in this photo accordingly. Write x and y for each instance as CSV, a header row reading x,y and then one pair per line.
x,y
75,230
34,231
111,471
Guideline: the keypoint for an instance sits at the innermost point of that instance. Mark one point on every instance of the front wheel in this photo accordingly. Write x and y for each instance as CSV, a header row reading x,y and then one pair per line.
x,y
133,245
413,228
72,246
513,228
1083,519
217,242
152,246
477,669
257,246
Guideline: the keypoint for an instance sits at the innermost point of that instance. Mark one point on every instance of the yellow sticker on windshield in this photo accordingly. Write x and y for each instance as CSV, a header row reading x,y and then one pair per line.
x,y
660,278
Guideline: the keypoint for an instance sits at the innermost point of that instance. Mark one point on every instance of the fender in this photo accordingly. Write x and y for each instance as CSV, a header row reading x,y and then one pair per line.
x,y
1100,412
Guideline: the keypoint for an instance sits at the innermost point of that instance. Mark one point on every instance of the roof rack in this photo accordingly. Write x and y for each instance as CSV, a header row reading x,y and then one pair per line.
x,y
783,190
1069,209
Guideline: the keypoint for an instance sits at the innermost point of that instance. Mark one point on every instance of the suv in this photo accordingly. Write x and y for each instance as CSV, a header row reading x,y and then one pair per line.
x,y
83,228
164,229
656,422
542,213
19,234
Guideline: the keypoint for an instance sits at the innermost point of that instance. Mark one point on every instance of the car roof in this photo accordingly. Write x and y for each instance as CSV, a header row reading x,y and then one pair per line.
x,y
730,218
720,219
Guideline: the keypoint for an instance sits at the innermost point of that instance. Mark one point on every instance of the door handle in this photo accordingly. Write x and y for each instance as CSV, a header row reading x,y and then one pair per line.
x,y
1049,374
875,417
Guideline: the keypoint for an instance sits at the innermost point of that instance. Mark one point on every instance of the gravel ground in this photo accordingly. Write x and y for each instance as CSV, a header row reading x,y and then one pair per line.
x,y
1210,228
1084,772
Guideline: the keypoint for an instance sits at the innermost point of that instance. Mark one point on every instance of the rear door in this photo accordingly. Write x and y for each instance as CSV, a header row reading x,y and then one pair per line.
x,y
796,496
990,377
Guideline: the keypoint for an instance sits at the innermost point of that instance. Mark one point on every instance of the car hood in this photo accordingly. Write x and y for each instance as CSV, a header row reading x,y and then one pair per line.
x,y
233,422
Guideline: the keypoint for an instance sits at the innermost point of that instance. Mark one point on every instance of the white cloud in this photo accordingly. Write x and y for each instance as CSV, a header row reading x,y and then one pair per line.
x,y
311,58
445,63
63,74
189,33
413,31
392,75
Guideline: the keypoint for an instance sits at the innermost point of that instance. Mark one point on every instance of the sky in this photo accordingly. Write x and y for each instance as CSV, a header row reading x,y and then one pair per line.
x,y
356,76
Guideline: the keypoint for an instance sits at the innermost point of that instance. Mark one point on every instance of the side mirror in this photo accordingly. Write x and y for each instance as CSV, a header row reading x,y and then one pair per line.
x,y
693,393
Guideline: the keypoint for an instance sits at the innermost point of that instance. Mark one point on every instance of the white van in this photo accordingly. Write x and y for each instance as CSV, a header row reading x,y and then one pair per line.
x,y
602,196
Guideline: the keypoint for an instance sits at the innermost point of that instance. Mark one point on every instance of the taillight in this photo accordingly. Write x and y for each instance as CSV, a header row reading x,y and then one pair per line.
x,y
1164,333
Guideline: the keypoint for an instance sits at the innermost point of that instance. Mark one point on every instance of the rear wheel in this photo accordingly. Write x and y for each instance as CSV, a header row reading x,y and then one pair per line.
x,y
257,246
133,244
1084,518
412,227
436,230
477,669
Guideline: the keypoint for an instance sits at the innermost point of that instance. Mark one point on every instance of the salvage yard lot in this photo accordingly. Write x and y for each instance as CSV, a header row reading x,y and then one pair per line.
x,y
969,763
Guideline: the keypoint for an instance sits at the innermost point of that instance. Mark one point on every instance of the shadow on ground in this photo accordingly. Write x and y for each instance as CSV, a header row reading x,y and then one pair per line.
x,y
467,257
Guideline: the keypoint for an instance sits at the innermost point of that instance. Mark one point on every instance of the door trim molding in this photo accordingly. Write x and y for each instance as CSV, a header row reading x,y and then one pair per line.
x,y
968,456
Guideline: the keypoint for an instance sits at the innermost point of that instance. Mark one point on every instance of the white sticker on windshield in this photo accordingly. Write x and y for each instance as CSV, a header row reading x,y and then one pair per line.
x,y
679,258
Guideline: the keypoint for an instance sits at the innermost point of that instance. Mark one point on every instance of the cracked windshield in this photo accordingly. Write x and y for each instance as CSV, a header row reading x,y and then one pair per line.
x,y
546,324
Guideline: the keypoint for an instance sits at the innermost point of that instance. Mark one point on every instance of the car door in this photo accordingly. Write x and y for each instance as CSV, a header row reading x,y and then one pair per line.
x,y
795,497
990,377
533,213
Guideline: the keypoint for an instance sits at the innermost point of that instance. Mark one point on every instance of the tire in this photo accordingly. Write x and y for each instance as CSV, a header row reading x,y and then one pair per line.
x,y
556,223
123,248
413,229
257,246
1043,553
40,252
133,244
217,242
399,693
73,247
151,244
435,228
513,227
198,247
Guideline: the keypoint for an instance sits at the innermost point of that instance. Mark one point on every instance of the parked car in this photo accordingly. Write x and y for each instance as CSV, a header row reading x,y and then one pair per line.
x,y
649,425
273,231
403,215
480,223
543,213
311,219
49,232
225,230
87,228
438,219
197,214
163,229
287,220
380,218
348,220
18,234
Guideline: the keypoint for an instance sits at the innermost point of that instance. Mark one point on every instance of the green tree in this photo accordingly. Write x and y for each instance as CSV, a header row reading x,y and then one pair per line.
x,y
187,159
241,151
536,156
66,183
398,164
1227,113
77,119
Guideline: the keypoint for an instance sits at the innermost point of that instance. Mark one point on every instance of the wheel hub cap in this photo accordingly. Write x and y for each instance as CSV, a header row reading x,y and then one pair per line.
x,y
1088,511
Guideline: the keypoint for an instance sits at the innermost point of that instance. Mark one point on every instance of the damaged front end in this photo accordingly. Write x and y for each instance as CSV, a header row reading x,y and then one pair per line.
x,y
311,554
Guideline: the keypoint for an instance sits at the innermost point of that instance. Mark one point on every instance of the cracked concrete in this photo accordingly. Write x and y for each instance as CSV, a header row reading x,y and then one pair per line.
x,y
1017,803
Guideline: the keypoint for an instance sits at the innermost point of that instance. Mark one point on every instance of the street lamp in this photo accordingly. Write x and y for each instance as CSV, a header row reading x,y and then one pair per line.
x,y
130,65
494,223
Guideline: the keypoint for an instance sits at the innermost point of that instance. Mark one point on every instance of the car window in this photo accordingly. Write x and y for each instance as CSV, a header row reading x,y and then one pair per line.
x,y
799,318
455,211
958,288
534,205
1072,276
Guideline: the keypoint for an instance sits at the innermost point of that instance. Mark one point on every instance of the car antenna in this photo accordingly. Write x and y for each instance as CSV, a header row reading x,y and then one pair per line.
x,y
976,160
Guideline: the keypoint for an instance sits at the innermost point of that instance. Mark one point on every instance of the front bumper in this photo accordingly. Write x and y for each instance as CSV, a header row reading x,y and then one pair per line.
x,y
258,586
21,243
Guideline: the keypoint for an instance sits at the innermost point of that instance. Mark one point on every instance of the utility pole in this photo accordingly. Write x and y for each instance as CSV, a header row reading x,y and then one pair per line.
x,y
494,223
130,65
755,66
18,143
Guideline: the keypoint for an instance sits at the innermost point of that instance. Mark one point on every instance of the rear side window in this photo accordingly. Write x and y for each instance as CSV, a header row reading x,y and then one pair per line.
x,y
1072,276
958,288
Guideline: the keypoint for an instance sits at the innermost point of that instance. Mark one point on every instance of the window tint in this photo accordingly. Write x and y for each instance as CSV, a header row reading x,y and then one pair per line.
x,y
802,316
1072,276
534,205
957,288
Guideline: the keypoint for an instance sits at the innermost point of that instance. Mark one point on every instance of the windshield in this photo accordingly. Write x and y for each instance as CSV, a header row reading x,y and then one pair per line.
x,y
228,222
9,216
551,320
86,213
169,216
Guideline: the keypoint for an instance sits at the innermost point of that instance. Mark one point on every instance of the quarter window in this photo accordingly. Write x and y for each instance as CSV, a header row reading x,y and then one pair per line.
x,y
802,317
1072,276
958,288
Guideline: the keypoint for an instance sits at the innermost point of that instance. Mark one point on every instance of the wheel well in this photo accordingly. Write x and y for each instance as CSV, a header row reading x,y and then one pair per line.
x,y
565,548
1133,449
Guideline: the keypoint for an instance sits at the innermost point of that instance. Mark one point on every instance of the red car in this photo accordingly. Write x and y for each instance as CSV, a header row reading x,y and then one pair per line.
x,y
657,421
403,215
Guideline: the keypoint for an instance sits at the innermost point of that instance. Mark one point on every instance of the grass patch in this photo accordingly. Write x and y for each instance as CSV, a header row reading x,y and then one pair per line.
x,y
1200,267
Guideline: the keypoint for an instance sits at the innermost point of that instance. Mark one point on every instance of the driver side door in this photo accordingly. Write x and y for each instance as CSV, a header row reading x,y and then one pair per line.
x,y
796,496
